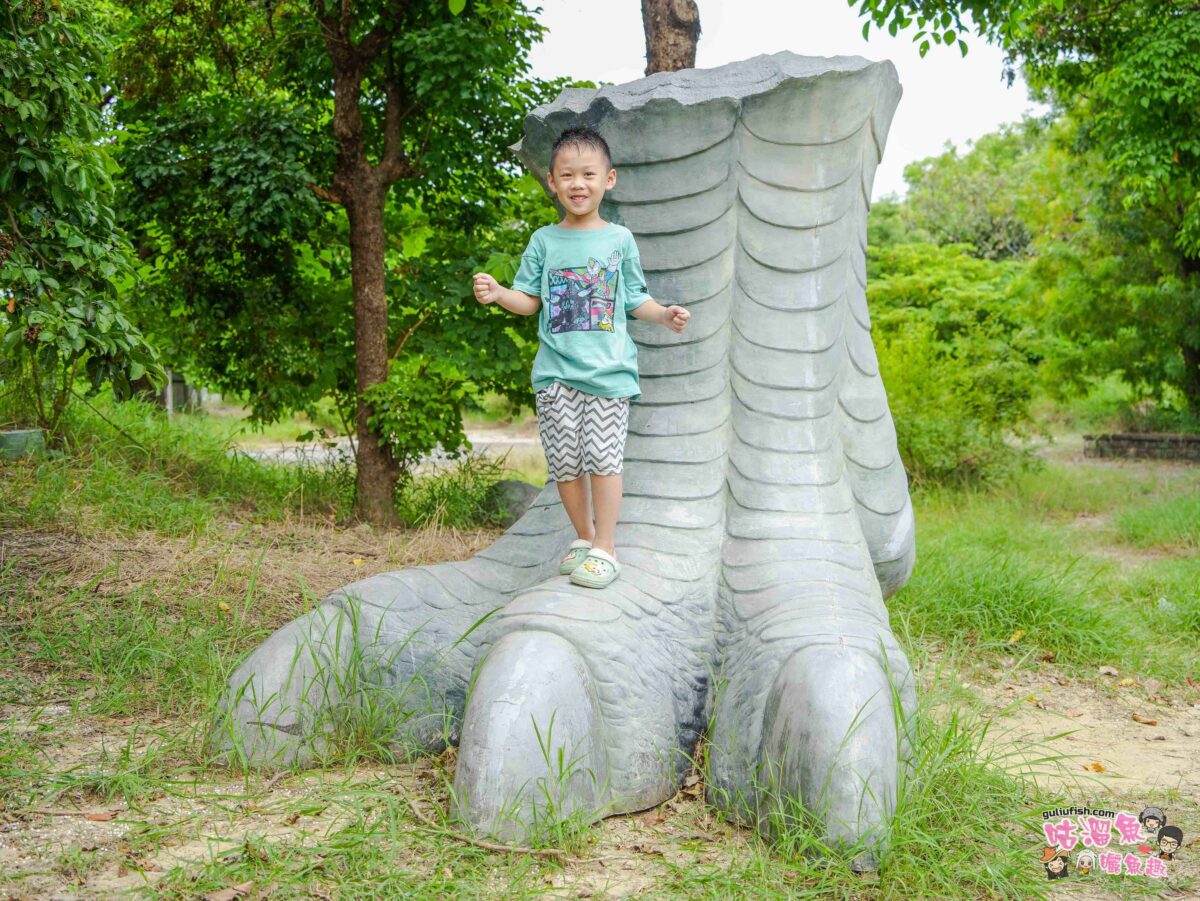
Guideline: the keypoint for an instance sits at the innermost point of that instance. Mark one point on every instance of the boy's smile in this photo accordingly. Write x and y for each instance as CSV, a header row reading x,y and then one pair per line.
x,y
579,179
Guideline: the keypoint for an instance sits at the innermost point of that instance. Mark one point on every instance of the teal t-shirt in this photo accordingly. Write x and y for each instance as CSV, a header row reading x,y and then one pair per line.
x,y
588,280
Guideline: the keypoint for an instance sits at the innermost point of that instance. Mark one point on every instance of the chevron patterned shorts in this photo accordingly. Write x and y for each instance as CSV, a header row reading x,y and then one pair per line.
x,y
581,432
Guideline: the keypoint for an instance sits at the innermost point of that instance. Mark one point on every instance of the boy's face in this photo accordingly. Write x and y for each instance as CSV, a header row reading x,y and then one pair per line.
x,y
579,179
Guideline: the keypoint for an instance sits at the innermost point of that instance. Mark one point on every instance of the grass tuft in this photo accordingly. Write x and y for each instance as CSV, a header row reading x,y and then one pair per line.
x,y
1173,522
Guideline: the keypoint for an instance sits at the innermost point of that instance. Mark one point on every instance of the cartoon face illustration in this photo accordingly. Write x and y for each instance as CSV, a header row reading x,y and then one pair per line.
x,y
1169,840
1085,863
1152,819
1055,862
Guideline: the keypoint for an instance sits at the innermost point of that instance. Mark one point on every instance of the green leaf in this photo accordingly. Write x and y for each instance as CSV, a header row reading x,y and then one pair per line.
x,y
457,6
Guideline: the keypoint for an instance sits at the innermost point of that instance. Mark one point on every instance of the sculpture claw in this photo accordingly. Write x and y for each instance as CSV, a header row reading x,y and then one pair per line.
x,y
830,747
532,754
273,712
765,517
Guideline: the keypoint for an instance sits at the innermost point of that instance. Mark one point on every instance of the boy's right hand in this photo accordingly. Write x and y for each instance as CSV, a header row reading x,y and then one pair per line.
x,y
487,289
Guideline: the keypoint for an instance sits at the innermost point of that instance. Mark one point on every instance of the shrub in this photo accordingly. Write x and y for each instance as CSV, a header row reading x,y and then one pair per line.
x,y
461,497
958,363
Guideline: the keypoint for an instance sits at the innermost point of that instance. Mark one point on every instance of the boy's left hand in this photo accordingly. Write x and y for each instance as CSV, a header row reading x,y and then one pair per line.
x,y
675,317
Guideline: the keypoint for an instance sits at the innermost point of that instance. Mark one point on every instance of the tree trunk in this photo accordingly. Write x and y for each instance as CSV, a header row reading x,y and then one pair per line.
x,y
672,30
362,188
377,472
1191,352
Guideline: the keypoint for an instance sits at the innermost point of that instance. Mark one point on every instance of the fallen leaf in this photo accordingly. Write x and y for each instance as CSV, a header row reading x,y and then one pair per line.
x,y
358,561
1016,636
691,780
1094,767
1109,671
1126,682
1048,657
1192,682
1144,720
229,894
292,819
12,305
223,607
654,817
447,873
101,816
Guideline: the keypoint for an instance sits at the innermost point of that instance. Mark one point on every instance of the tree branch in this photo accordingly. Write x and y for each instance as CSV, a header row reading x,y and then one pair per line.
x,y
329,195
408,334
394,164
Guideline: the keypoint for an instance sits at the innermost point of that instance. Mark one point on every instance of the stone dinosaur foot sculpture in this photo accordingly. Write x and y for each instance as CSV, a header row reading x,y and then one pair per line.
x,y
765,520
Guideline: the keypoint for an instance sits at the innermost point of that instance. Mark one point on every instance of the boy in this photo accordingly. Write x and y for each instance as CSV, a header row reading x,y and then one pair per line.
x,y
584,277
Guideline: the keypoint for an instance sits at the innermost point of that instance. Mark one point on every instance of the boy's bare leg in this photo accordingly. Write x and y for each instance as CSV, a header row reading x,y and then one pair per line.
x,y
574,496
606,498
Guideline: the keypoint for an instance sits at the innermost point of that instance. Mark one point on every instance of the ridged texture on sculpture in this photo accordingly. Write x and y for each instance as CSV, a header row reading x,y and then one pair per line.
x,y
766,512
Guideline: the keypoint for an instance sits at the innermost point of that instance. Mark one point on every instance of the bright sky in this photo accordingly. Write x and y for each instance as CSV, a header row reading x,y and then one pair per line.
x,y
946,97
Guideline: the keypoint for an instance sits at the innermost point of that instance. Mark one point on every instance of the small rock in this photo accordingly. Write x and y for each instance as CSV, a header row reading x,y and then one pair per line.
x,y
1157,738
1109,671
514,498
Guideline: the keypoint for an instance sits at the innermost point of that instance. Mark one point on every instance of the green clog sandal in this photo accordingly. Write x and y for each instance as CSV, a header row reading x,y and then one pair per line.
x,y
579,550
598,570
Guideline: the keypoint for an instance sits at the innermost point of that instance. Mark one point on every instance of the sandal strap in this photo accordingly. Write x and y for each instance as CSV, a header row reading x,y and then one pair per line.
x,y
580,542
603,555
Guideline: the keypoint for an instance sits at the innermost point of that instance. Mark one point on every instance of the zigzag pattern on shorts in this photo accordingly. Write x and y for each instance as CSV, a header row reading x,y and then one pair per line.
x,y
604,435
581,432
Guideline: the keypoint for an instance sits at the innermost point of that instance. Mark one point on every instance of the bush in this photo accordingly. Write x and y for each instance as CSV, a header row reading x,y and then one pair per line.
x,y
462,497
957,362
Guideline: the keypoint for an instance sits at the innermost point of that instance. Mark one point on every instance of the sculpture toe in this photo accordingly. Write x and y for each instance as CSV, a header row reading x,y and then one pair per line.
x,y
830,743
274,712
591,701
532,752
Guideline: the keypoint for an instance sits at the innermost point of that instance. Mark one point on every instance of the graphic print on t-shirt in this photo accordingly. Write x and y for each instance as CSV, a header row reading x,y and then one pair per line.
x,y
583,298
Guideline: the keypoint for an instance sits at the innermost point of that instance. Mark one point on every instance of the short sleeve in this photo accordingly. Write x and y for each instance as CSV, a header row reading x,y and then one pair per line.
x,y
528,279
635,280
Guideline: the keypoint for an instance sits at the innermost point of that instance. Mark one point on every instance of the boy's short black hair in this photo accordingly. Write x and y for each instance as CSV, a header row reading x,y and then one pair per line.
x,y
581,136
1171,832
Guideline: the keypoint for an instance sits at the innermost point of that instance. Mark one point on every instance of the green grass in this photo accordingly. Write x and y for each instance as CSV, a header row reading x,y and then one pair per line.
x,y
1009,571
127,467
1173,522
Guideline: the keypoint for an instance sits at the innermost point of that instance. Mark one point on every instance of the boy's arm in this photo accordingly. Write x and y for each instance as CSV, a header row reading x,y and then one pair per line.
x,y
673,317
488,290
523,297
